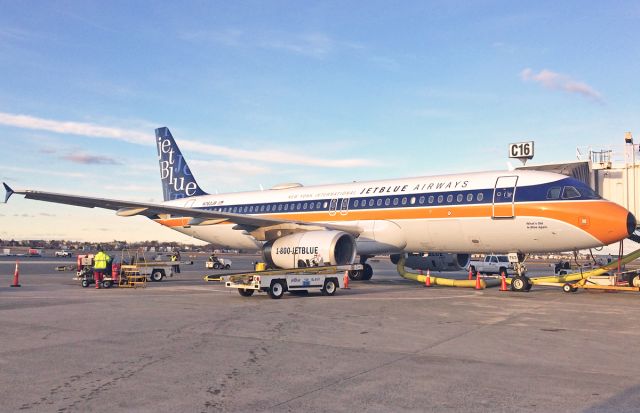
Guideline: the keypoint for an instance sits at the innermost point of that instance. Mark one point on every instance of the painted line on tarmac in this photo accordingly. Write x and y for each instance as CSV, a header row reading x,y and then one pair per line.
x,y
405,298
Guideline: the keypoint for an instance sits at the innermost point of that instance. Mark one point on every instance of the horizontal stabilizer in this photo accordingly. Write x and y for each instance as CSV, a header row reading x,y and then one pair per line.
x,y
9,192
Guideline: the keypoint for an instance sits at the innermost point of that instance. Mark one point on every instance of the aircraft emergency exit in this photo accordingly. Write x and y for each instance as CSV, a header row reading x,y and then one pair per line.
x,y
505,211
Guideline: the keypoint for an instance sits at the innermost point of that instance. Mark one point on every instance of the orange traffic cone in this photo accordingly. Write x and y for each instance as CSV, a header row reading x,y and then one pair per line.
x,y
470,274
503,282
427,280
346,280
478,284
16,275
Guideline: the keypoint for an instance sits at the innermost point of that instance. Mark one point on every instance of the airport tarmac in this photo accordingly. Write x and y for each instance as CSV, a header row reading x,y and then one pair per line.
x,y
384,345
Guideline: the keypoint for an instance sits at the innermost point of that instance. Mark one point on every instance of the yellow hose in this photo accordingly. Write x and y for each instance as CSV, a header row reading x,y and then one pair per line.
x,y
446,282
612,266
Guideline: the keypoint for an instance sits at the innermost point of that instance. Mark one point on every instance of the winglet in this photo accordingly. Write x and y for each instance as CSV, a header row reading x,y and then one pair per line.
x,y
9,192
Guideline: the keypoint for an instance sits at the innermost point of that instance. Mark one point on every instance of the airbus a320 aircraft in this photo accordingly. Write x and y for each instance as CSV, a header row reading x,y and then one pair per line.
x,y
293,225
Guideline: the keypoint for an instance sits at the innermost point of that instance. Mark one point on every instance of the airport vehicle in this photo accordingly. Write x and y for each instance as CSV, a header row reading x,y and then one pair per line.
x,y
491,264
277,282
521,211
62,253
151,270
34,252
218,263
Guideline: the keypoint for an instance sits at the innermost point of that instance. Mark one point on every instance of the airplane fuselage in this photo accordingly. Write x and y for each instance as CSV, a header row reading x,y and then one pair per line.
x,y
503,211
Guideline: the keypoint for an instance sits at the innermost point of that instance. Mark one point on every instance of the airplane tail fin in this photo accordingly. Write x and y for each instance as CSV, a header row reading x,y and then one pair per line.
x,y
177,180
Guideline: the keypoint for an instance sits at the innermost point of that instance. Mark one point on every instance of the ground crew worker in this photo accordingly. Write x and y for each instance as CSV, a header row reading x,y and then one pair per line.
x,y
100,265
175,258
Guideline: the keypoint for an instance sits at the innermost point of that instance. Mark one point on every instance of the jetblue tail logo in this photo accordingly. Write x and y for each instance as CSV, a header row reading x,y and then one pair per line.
x,y
177,180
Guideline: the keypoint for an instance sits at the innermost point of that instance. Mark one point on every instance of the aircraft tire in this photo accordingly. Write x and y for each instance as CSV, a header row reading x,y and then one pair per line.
x,y
367,272
519,283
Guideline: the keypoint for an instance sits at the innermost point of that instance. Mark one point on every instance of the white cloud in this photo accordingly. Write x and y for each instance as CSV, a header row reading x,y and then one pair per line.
x,y
142,138
316,45
75,128
44,171
557,81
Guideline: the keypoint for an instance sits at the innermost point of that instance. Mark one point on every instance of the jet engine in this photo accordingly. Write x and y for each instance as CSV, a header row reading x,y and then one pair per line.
x,y
310,248
435,261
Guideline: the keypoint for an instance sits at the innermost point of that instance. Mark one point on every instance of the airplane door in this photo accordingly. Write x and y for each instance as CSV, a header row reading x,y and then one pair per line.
x,y
344,206
504,195
333,205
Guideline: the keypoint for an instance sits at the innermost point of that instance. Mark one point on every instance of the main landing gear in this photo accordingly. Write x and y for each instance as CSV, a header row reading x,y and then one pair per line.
x,y
520,282
365,273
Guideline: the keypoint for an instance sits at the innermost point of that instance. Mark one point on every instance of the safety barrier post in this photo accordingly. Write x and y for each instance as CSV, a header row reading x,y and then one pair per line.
x,y
478,284
427,280
470,274
16,275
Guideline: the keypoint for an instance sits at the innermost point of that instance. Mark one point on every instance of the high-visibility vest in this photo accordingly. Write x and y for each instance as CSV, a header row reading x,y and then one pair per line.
x,y
100,261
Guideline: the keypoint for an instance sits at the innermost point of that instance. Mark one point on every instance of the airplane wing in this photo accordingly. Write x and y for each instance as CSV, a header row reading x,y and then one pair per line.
x,y
151,210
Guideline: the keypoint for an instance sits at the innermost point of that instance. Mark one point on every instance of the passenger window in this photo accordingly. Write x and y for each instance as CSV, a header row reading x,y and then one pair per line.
x,y
325,205
494,259
553,193
421,200
480,196
570,192
431,199
395,201
371,202
286,207
404,201
387,202
449,198
299,206
469,197
251,208
412,201
459,198
356,203
379,202
318,205
304,206
440,199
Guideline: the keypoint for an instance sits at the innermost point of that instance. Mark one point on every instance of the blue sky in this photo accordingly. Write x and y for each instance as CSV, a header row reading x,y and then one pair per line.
x,y
263,92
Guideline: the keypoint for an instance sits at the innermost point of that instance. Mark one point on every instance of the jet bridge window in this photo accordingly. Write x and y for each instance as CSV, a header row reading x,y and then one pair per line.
x,y
570,192
554,192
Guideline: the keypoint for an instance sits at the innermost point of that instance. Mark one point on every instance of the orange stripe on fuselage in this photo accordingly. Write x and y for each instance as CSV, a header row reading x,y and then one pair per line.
x,y
604,220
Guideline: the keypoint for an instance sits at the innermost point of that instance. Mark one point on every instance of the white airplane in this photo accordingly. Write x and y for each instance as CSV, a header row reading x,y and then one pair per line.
x,y
451,215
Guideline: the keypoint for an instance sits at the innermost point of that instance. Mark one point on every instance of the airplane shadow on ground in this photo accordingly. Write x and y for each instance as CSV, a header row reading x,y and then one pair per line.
x,y
626,401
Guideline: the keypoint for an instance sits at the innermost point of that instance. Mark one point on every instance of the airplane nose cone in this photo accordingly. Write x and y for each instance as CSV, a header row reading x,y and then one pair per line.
x,y
631,223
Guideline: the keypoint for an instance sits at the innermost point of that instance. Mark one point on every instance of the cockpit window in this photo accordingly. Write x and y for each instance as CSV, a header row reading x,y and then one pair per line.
x,y
554,192
570,192
589,193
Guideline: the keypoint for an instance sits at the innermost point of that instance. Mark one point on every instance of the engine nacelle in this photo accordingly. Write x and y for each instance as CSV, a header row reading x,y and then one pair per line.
x,y
435,261
310,248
